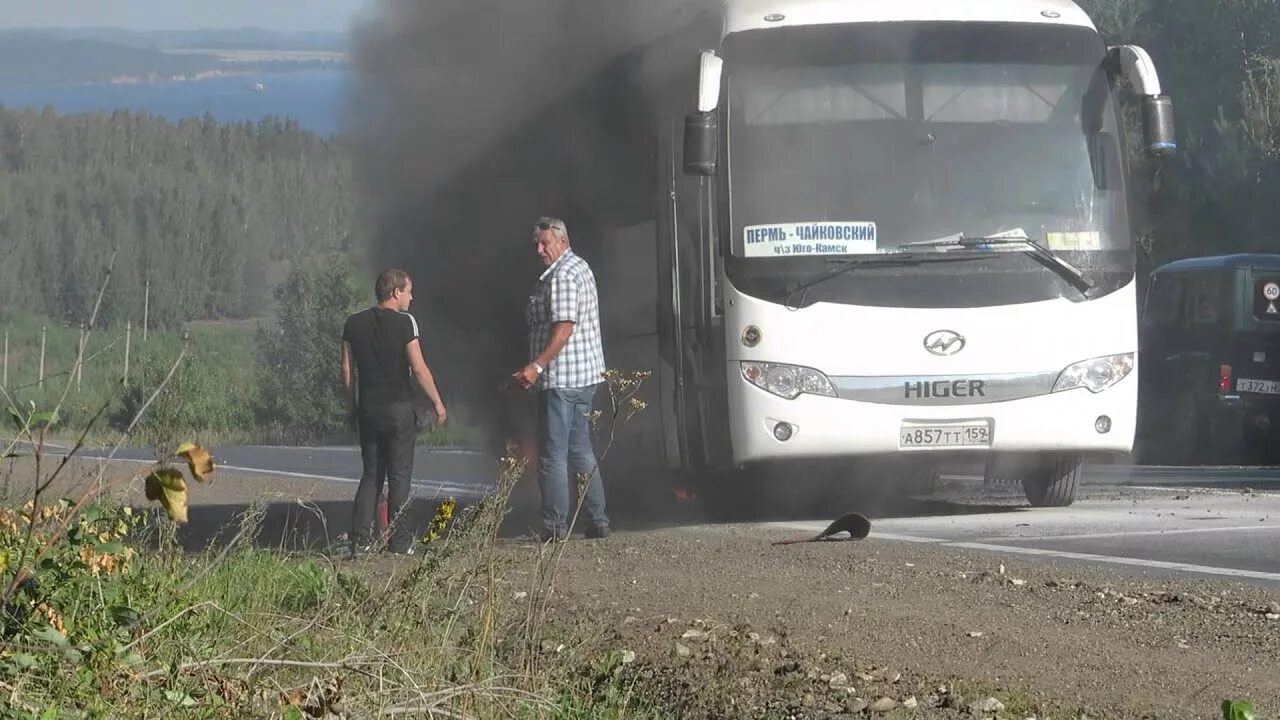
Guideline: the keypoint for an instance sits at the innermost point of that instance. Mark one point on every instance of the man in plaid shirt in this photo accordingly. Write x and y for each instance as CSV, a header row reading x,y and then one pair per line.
x,y
567,368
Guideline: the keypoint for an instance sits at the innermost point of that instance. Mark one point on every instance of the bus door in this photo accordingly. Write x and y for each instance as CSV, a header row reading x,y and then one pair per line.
x,y
691,315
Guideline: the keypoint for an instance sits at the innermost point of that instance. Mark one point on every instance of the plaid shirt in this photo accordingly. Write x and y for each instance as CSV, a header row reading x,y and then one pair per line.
x,y
567,292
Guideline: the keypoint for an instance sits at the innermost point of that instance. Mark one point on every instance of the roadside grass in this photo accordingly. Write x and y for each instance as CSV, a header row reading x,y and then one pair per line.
x,y
453,434
135,628
221,356
102,614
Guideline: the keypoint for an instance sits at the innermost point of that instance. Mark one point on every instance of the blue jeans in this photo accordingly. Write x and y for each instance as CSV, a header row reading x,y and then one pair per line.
x,y
564,444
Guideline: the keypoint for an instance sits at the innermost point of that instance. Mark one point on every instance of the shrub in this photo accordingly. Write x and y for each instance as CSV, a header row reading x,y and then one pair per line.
x,y
297,364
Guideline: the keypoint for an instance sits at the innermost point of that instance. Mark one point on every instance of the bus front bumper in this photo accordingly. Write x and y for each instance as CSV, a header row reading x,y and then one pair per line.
x,y
769,428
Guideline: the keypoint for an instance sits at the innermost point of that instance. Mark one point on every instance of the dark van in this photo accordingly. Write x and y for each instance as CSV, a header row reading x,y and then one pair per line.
x,y
1209,362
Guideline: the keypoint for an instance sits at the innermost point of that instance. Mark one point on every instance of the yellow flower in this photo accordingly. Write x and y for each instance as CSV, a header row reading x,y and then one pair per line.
x,y
440,522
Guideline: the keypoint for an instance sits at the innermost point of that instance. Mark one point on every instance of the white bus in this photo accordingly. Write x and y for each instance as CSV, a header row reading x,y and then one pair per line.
x,y
892,230
841,233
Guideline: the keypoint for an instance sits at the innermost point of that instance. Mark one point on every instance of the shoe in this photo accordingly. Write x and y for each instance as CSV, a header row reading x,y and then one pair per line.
x,y
598,532
360,550
407,551
553,536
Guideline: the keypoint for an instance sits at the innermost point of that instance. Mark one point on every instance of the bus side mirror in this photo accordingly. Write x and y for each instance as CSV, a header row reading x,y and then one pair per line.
x,y
702,128
701,135
1157,108
1157,125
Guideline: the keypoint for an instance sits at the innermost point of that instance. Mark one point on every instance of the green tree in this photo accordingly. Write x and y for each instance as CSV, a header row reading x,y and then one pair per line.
x,y
1218,59
297,364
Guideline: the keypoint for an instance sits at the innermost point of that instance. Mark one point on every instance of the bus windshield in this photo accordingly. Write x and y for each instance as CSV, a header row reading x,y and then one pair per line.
x,y
860,140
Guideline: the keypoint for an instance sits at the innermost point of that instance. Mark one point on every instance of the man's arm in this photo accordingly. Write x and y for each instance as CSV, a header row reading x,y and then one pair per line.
x,y
560,333
423,375
348,385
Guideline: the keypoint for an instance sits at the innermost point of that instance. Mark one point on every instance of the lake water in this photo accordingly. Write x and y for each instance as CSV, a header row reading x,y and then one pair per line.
x,y
315,98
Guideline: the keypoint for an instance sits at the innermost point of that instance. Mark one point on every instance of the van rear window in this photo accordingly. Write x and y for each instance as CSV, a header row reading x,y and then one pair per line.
x,y
1266,298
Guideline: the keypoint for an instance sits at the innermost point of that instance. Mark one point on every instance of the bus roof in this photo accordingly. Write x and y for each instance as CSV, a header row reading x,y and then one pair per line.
x,y
1219,262
740,15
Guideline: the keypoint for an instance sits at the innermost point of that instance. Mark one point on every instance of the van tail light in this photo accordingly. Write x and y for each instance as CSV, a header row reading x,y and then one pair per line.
x,y
1224,378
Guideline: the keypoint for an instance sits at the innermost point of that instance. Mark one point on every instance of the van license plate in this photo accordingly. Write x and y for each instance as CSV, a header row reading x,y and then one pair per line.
x,y
1267,387
945,435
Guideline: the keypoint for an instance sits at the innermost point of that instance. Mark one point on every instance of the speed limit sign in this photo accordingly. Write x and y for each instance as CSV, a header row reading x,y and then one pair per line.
x,y
1271,291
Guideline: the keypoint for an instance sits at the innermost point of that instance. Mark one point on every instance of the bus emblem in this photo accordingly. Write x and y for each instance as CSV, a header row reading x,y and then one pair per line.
x,y
944,342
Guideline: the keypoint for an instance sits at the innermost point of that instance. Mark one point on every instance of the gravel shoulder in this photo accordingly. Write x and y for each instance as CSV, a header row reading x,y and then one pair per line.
x,y
723,625
820,630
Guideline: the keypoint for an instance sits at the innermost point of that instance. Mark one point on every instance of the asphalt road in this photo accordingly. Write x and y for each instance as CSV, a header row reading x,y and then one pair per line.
x,y
1207,522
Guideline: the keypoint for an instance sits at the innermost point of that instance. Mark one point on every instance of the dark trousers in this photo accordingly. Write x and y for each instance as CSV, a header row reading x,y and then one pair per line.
x,y
387,435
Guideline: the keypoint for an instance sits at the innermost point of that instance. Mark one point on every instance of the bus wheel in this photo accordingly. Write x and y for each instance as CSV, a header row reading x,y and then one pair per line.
x,y
1053,483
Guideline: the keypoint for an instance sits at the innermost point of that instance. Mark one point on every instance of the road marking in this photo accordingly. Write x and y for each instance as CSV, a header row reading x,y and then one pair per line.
x,y
815,529
468,490
438,487
910,538
1062,554
356,448
1135,533
1115,560
443,450
1206,490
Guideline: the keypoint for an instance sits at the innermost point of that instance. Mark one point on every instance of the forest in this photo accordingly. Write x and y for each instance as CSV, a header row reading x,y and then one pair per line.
x,y
206,215
1220,61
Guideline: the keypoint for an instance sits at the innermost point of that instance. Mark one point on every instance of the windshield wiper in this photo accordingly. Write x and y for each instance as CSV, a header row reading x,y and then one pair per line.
x,y
1073,275
878,260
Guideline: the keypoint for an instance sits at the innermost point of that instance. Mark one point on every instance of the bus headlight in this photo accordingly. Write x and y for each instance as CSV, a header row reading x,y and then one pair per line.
x,y
788,381
1097,374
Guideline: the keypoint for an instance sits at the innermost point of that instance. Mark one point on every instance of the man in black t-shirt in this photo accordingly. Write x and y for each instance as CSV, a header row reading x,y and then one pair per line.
x,y
381,345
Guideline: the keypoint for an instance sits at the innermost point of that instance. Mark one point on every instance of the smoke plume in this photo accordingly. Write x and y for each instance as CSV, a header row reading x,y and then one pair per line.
x,y
470,119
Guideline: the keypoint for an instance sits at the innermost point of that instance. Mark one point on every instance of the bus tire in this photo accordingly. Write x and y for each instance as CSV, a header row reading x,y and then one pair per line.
x,y
1053,484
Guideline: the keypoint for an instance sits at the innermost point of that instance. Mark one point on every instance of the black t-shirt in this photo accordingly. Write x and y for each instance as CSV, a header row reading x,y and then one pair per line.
x,y
378,338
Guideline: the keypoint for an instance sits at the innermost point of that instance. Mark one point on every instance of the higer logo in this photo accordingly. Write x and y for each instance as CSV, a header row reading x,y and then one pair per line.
x,y
944,342
926,389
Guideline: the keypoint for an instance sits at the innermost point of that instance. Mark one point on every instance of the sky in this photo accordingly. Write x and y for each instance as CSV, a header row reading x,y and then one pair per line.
x,y
288,15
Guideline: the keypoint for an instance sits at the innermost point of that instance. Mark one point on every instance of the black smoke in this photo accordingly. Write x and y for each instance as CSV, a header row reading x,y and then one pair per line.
x,y
470,119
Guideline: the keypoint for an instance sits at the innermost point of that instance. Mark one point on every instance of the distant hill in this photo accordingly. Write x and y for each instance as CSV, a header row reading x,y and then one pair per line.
x,y
30,59
40,58
230,39
255,39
